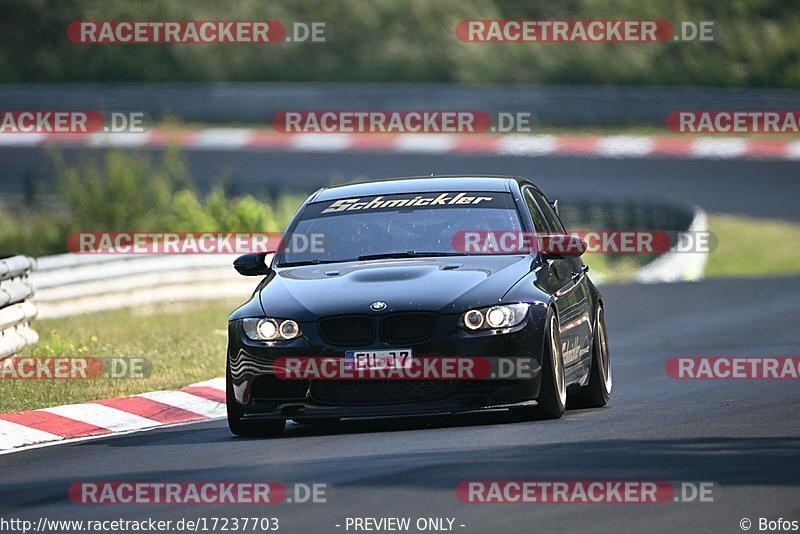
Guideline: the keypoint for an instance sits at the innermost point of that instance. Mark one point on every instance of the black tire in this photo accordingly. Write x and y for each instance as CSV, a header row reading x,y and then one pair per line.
x,y
251,429
596,393
553,392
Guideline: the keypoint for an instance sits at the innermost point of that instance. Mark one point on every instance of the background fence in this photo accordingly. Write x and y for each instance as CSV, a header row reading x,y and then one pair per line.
x,y
257,102
72,284
16,313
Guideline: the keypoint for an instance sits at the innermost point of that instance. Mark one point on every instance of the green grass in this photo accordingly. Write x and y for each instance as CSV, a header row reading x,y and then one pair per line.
x,y
183,344
753,247
745,246
602,269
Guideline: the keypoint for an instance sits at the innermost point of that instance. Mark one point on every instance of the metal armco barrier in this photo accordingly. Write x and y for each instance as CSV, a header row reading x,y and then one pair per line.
x,y
620,214
258,102
641,215
73,284
15,313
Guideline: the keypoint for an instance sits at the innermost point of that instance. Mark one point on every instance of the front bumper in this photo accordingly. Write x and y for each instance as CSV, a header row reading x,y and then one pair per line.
x,y
260,394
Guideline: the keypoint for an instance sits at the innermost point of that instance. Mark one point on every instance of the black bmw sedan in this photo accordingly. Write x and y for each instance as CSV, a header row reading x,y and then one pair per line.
x,y
417,295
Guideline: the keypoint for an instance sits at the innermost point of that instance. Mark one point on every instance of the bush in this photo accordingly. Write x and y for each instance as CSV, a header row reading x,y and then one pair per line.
x,y
220,214
128,192
123,192
34,234
409,40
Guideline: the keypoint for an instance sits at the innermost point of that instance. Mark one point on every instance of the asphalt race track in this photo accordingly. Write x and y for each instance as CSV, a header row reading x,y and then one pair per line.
x,y
742,435
761,188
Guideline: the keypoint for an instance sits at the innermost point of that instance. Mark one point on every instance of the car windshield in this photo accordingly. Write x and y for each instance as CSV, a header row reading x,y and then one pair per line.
x,y
407,225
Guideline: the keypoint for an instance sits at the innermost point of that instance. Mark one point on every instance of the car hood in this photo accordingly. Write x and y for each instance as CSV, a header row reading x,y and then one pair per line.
x,y
447,285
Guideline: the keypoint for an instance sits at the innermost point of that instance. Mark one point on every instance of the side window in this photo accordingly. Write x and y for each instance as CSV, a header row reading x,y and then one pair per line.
x,y
539,220
553,222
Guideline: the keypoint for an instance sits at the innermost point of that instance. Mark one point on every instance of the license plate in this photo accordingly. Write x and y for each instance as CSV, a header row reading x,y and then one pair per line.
x,y
355,360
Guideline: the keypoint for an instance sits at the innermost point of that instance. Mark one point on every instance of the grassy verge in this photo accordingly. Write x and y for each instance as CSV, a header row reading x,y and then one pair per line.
x,y
753,247
182,344
745,246
604,270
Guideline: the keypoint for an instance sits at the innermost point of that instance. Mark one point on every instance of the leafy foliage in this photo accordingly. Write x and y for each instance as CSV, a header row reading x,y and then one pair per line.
x,y
128,192
408,40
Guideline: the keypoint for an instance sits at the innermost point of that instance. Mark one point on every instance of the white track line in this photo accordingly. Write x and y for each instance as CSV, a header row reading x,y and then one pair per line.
x,y
617,146
221,139
527,145
21,139
60,441
187,401
13,435
793,152
119,139
103,416
718,148
216,383
424,143
331,142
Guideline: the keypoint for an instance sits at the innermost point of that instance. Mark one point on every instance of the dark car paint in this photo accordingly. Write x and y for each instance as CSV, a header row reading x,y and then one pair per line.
x,y
250,359
447,285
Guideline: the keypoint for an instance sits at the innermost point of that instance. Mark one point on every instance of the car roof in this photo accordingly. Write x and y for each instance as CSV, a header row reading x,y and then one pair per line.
x,y
418,184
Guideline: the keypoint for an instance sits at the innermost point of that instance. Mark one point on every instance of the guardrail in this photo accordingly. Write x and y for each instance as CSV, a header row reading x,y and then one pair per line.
x,y
15,312
258,102
72,284
621,214
674,218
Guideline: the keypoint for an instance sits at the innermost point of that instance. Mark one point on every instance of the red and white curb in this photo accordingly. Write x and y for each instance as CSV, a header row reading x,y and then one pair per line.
x,y
197,402
246,139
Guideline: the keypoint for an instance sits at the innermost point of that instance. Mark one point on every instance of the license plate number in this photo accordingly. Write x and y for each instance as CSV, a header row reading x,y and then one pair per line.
x,y
377,359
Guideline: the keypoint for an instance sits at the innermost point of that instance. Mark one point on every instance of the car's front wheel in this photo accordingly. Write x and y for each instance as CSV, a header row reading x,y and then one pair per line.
x,y
242,427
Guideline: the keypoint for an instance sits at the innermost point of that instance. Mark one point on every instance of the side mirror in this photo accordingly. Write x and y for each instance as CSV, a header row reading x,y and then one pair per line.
x,y
554,204
560,246
253,264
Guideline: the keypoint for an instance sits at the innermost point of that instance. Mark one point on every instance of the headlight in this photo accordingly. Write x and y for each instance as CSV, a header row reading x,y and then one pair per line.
x,y
289,329
498,316
473,319
501,316
269,329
